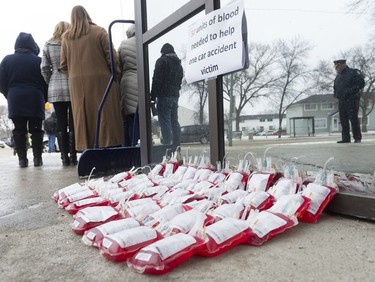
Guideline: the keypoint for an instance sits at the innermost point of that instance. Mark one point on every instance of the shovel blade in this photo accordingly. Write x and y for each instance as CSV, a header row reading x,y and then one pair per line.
x,y
108,161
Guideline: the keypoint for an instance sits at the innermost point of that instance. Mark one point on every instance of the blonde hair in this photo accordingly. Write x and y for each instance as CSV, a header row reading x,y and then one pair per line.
x,y
60,28
80,23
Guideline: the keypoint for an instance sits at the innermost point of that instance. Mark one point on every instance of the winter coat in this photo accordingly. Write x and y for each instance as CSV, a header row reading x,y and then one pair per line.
x,y
58,87
21,80
86,60
167,78
348,83
50,124
129,81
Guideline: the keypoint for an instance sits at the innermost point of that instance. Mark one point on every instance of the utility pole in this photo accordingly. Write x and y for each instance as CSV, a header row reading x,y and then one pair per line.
x,y
231,112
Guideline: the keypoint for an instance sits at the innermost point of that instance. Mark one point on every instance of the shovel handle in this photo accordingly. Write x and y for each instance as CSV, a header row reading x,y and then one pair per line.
x,y
113,74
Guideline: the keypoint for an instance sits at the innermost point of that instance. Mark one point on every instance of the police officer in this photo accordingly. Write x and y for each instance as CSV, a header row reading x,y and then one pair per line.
x,y
347,89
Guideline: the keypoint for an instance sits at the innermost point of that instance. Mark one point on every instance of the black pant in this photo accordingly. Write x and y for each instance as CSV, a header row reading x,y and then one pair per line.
x,y
64,116
24,125
348,110
131,130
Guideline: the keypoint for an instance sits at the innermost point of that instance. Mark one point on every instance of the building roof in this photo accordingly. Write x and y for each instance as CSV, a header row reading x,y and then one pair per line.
x,y
260,116
319,98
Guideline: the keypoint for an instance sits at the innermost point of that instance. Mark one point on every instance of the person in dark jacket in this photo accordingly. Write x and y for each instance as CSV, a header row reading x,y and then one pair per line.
x,y
23,86
166,85
50,127
347,89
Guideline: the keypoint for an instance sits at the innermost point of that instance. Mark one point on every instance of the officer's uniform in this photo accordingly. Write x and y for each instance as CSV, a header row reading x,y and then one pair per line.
x,y
347,86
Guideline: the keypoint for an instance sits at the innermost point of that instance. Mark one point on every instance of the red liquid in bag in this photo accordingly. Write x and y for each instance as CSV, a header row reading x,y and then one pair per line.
x,y
74,207
320,196
223,236
124,244
91,217
94,236
164,255
267,226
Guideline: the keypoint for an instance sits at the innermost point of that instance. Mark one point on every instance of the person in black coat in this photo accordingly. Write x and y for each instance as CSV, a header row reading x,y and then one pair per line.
x,y
166,85
347,89
24,87
50,127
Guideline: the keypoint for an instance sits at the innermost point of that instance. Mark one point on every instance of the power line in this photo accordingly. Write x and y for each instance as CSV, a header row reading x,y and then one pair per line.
x,y
305,11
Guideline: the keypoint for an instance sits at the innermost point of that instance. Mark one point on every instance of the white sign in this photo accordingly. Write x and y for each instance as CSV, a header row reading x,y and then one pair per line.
x,y
217,44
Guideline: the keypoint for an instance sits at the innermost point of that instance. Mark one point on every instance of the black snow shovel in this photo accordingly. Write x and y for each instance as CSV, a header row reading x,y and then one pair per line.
x,y
107,161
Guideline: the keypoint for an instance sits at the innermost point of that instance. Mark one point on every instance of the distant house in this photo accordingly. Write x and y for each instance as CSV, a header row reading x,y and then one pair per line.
x,y
185,116
317,114
261,122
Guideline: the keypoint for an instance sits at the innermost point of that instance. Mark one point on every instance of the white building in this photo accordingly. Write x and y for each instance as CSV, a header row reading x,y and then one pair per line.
x,y
318,114
261,122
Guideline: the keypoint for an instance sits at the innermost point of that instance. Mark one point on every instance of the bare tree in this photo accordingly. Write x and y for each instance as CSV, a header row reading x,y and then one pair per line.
x,y
199,90
5,123
293,82
198,94
247,86
323,76
362,6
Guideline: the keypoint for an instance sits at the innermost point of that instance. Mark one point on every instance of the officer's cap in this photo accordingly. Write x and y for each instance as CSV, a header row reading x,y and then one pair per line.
x,y
341,61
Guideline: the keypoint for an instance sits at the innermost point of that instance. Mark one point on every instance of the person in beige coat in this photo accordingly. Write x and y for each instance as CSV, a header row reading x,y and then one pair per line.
x,y
85,57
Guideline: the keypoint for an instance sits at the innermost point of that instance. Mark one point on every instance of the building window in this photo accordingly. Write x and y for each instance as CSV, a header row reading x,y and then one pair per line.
x,y
327,106
270,119
320,123
310,107
262,119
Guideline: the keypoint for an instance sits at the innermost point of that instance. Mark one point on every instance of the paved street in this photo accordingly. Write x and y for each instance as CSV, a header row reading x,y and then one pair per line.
x,y
307,152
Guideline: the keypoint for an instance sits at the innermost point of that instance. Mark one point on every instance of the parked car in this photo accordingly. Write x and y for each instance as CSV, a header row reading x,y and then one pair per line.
x,y
10,143
276,132
2,144
265,133
195,133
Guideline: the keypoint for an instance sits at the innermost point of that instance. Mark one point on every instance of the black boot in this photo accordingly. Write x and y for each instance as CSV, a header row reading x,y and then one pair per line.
x,y
21,149
62,139
37,144
72,149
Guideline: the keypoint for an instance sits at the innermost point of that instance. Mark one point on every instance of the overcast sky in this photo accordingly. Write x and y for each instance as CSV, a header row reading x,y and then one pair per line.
x,y
324,23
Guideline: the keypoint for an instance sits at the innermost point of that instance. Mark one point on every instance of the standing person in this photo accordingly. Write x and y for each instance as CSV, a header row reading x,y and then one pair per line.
x,y
129,87
58,94
166,85
23,86
347,89
50,127
85,57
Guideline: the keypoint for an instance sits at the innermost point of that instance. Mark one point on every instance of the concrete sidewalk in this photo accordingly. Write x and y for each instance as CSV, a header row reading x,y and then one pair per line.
x,y
37,243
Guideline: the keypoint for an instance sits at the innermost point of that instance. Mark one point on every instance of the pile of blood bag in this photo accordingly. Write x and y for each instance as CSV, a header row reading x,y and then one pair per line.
x,y
155,221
